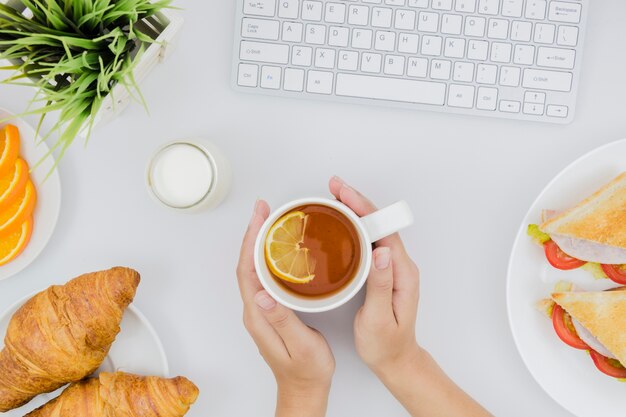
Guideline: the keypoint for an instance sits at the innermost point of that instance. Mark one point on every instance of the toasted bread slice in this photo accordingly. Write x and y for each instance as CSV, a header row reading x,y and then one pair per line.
x,y
602,313
600,218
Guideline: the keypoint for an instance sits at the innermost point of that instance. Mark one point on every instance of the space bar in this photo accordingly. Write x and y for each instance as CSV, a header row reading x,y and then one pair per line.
x,y
394,89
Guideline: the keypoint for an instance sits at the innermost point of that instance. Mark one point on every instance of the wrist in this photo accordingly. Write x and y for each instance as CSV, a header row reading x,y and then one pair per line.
x,y
302,400
409,361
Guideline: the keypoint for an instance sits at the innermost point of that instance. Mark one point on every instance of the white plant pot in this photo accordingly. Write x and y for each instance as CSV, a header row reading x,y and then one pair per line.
x,y
164,26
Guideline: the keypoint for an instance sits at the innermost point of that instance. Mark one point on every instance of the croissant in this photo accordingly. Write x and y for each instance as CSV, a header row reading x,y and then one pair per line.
x,y
63,334
122,395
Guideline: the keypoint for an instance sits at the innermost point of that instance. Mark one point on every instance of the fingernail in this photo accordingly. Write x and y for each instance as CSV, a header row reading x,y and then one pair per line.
x,y
256,206
382,258
264,301
339,180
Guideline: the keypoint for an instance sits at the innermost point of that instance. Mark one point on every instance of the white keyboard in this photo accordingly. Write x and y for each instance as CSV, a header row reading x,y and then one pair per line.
x,y
516,59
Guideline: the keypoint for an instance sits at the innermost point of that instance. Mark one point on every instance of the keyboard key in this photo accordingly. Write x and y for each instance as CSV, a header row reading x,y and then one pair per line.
x,y
510,76
394,65
521,31
534,97
557,111
509,106
486,98
362,38
463,71
348,60
320,82
567,36
475,26
417,67
477,50
338,36
292,32
294,79
465,6
260,29
547,80
451,24
501,52
302,56
288,9
512,8
408,43
315,34
440,69
358,15
393,89
312,10
270,77
556,57
544,33
498,29
325,58
405,19
442,4
431,45
264,52
535,9
335,13
381,17
486,74
371,62
259,7
428,22
491,7
524,54
422,4
461,96
455,48
564,12
534,109
395,2
248,75
385,41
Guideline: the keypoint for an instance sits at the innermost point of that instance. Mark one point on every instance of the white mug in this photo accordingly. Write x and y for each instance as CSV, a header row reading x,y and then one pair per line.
x,y
370,228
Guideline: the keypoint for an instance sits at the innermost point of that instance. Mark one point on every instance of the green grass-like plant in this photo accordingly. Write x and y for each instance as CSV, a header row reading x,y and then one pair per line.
x,y
75,52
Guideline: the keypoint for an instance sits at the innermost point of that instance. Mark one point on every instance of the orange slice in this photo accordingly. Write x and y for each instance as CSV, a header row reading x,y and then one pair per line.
x,y
9,147
19,210
14,242
285,255
12,183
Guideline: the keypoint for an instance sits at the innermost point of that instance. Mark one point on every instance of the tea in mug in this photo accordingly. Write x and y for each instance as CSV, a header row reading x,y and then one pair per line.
x,y
313,251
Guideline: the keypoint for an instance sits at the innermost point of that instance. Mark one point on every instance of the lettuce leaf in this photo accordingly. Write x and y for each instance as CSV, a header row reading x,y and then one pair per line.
x,y
537,235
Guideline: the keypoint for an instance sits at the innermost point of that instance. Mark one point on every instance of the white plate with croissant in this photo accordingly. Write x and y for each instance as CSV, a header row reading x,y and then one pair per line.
x,y
61,335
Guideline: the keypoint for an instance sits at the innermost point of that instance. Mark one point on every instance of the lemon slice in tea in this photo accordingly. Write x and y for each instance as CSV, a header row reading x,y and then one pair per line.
x,y
285,254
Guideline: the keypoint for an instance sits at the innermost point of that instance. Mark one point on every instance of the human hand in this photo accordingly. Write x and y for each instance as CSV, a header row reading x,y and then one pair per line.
x,y
298,355
384,328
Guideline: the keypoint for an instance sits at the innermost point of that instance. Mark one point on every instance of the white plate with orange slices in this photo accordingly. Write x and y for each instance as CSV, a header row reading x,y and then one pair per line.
x,y
29,202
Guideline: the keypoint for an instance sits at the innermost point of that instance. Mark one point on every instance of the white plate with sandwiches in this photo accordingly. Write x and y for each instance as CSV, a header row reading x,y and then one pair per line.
x,y
137,349
48,185
575,347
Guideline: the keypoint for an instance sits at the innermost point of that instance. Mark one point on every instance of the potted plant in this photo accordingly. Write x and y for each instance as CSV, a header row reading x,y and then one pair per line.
x,y
85,57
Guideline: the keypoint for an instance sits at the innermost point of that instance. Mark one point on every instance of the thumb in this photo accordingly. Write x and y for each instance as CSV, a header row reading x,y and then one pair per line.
x,y
288,326
378,300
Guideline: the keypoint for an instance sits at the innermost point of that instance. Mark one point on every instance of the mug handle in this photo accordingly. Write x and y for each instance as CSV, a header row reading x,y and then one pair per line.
x,y
388,220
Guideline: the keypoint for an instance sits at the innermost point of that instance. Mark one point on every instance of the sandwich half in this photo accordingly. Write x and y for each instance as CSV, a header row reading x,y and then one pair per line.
x,y
592,233
592,321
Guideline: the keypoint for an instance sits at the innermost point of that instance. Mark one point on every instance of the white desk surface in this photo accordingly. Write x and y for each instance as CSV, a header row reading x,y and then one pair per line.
x,y
469,180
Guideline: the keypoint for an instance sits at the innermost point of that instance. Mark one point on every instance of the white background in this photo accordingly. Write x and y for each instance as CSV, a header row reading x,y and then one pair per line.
x,y
469,181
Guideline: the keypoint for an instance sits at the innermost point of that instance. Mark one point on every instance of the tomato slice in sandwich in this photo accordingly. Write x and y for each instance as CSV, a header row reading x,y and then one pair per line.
x,y
560,259
608,366
616,273
564,328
